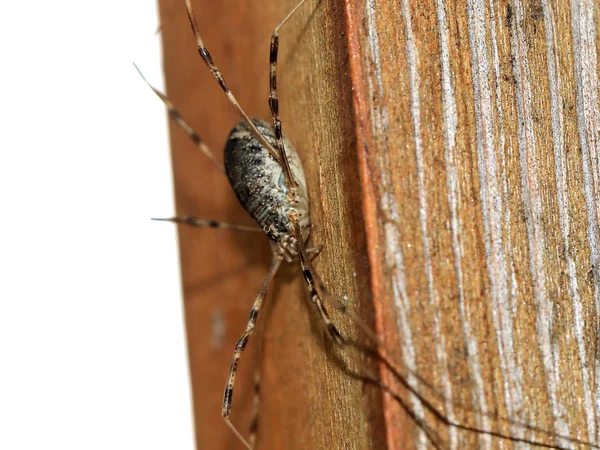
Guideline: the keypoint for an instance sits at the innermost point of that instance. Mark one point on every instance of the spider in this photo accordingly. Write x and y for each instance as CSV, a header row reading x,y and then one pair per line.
x,y
266,175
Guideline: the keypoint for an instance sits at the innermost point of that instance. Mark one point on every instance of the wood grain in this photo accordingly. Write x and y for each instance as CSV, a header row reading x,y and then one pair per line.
x,y
452,156
481,207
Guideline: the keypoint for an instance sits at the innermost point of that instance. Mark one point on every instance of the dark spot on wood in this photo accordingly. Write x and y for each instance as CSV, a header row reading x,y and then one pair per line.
x,y
509,15
537,12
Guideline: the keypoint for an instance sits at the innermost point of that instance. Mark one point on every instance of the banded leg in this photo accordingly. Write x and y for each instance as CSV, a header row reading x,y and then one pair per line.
x,y
241,345
176,117
274,100
315,296
255,407
204,223
207,58
337,338
256,388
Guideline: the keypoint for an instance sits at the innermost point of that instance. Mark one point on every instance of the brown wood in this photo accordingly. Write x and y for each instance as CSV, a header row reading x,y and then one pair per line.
x,y
452,155
307,401
481,219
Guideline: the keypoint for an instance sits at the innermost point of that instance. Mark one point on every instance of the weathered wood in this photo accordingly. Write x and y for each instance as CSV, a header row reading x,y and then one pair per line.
x,y
452,155
478,141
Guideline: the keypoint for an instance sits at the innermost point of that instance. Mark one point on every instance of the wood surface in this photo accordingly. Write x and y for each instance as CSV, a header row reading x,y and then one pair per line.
x,y
306,400
452,156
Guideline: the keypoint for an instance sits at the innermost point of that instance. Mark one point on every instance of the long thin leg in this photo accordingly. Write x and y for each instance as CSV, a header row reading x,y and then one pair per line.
x,y
315,297
205,55
339,340
176,116
255,406
274,100
204,223
241,345
256,403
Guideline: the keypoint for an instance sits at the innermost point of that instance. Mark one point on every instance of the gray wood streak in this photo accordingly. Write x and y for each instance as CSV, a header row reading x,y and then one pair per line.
x,y
486,206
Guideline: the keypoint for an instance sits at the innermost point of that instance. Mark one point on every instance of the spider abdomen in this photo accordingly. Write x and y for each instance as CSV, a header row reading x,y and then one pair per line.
x,y
259,181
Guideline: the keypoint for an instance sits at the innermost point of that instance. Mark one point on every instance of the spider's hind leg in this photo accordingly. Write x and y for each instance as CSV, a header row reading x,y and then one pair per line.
x,y
273,98
176,117
241,345
207,223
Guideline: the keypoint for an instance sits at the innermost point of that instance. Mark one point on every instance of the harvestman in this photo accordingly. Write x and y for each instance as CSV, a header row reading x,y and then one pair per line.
x,y
267,176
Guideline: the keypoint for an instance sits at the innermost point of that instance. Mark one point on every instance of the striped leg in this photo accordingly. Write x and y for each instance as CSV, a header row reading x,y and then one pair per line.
x,y
256,403
315,297
204,223
241,345
273,99
176,116
254,420
205,55
337,338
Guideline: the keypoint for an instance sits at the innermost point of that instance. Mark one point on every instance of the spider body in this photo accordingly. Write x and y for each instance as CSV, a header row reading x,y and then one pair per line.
x,y
260,185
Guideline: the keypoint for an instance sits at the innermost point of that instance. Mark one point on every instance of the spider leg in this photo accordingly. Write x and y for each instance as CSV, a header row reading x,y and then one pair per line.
x,y
315,297
207,58
176,116
337,338
255,407
241,345
206,223
274,100
253,428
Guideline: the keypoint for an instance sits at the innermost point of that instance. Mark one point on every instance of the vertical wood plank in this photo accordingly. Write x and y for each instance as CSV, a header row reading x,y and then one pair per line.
x,y
481,206
452,156
307,401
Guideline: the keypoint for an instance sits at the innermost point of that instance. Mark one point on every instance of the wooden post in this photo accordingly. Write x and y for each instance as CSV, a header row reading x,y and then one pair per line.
x,y
306,400
452,152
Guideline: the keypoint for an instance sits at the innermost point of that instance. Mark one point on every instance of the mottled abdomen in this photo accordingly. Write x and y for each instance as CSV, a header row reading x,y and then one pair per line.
x,y
259,181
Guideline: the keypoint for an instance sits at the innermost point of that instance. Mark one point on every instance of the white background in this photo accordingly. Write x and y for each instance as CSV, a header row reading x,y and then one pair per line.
x,y
92,352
